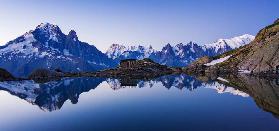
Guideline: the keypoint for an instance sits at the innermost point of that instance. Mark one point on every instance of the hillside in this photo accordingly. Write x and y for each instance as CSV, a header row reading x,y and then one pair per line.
x,y
261,56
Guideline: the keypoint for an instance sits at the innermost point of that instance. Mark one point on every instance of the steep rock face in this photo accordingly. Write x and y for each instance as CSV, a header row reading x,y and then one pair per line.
x,y
167,56
179,55
47,47
264,55
260,56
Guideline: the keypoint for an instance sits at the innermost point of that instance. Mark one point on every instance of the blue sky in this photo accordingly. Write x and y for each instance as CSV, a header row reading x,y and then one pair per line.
x,y
133,22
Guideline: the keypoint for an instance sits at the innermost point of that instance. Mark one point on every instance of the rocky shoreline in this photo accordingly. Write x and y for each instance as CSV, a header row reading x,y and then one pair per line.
x,y
128,69
133,70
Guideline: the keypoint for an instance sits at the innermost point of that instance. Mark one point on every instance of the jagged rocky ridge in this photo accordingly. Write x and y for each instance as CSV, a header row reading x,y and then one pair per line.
x,y
47,47
179,55
259,57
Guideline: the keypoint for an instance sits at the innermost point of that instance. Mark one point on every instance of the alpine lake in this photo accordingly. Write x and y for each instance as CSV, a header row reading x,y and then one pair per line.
x,y
168,103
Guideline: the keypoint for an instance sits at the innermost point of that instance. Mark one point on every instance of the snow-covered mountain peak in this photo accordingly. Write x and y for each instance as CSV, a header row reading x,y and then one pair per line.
x,y
167,47
168,50
48,47
232,43
150,49
116,50
247,36
180,54
48,32
238,41
46,26
117,46
73,35
179,45
189,44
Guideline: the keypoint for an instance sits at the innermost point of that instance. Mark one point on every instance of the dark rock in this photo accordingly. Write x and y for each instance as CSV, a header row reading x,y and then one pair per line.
x,y
127,63
5,75
132,69
198,65
58,70
44,75
73,35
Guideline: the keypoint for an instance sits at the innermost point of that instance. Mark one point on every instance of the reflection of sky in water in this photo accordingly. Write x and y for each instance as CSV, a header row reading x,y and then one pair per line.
x,y
156,108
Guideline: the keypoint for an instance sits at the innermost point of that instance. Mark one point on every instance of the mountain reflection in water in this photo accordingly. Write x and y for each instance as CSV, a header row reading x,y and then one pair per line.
x,y
52,95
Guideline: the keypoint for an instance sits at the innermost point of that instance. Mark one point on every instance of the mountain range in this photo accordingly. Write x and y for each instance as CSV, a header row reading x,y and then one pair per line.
x,y
48,47
179,55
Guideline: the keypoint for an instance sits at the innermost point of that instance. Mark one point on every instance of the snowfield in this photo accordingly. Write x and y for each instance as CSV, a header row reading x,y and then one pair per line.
x,y
222,79
244,71
233,43
220,60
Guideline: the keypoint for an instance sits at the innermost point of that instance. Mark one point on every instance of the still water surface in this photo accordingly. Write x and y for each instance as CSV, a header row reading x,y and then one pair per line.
x,y
176,102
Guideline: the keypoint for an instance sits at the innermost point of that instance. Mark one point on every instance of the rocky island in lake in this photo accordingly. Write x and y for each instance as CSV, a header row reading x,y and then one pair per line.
x,y
132,68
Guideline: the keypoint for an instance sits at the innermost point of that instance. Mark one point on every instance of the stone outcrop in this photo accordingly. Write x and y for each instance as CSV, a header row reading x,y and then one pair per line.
x,y
128,63
132,68
197,66
140,64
